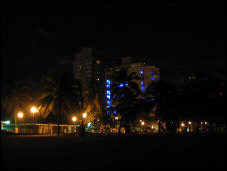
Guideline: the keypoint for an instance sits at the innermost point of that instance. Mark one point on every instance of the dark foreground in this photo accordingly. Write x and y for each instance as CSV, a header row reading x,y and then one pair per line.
x,y
115,152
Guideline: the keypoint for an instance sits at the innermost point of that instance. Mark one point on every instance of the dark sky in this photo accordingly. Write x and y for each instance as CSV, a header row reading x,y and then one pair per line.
x,y
173,35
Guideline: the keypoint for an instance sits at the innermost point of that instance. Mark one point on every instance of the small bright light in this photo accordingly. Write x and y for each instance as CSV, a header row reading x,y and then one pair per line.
x,y
84,115
74,118
7,122
142,123
33,109
201,122
189,123
88,124
116,118
182,124
205,122
152,127
20,115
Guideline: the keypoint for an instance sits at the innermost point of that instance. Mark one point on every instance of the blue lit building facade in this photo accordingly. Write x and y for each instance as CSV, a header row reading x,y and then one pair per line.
x,y
148,75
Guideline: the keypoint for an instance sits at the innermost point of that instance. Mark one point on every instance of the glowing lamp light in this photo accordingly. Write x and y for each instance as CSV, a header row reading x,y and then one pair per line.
x,y
74,118
84,115
33,110
189,123
20,115
142,123
182,124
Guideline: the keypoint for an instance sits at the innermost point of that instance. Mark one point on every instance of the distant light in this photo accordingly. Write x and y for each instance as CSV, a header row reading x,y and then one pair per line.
x,y
108,92
152,78
115,112
152,127
142,83
126,84
182,124
189,123
121,85
84,115
116,118
20,115
141,72
142,123
152,73
88,124
108,86
108,97
153,66
152,99
33,109
142,88
108,102
108,82
6,122
205,122
74,118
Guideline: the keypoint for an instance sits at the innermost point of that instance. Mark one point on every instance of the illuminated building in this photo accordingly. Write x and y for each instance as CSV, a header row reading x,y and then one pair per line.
x,y
148,75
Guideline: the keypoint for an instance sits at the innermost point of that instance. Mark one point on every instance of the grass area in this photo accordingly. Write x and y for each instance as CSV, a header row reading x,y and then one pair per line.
x,y
115,152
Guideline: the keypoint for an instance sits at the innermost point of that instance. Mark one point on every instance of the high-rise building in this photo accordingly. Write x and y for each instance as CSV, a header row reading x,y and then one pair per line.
x,y
90,64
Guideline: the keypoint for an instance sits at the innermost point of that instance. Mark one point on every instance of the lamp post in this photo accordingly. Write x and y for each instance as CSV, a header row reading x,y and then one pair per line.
x,y
20,115
142,124
33,110
74,120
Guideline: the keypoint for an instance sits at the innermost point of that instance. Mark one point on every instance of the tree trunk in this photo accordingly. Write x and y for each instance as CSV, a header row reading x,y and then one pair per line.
x,y
58,118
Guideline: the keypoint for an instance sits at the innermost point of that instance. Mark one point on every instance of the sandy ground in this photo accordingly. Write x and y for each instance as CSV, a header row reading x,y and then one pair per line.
x,y
115,152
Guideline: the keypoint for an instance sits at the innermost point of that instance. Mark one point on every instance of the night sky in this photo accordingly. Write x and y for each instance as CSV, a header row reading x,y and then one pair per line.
x,y
172,35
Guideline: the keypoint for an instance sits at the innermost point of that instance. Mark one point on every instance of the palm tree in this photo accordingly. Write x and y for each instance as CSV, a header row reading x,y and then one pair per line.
x,y
161,94
125,92
17,98
94,97
58,95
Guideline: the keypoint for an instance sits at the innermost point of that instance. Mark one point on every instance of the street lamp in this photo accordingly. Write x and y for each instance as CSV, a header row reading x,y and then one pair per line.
x,y
142,124
74,120
20,115
33,110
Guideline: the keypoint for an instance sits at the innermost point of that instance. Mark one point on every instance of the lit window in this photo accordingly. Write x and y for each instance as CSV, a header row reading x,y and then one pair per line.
x,y
107,106
152,78
142,88
152,73
152,99
108,102
126,84
121,85
108,92
115,112
108,86
141,72
142,83
108,97
108,82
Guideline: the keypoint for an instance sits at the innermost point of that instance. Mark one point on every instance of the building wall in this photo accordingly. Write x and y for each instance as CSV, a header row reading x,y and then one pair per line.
x,y
148,74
